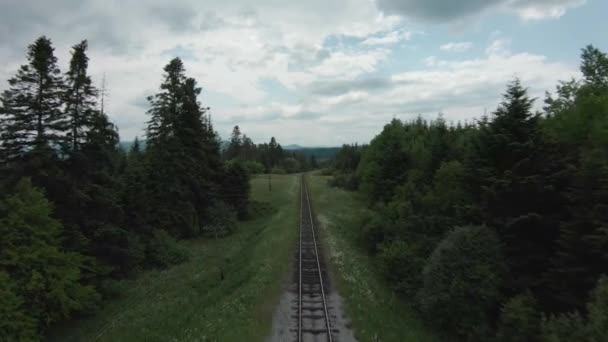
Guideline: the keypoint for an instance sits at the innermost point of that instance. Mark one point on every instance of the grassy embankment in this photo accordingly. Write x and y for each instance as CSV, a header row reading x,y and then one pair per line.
x,y
189,302
376,313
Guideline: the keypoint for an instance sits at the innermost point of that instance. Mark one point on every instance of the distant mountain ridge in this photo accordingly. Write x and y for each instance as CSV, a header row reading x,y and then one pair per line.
x,y
320,153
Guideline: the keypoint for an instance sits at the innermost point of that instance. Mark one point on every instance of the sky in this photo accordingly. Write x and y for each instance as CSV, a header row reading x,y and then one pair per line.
x,y
315,72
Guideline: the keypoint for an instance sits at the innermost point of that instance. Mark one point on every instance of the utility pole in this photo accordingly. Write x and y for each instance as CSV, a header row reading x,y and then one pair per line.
x,y
269,182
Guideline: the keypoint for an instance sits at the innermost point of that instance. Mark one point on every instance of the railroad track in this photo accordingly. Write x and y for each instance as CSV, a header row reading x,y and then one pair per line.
x,y
314,322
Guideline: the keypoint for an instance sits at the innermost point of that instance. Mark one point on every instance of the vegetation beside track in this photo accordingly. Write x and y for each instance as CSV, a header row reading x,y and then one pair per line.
x,y
376,313
191,302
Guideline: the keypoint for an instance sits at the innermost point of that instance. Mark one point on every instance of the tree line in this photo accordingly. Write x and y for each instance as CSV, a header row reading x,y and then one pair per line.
x,y
267,157
496,230
76,211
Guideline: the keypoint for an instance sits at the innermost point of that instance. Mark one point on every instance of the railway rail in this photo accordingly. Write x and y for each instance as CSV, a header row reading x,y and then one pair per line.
x,y
314,320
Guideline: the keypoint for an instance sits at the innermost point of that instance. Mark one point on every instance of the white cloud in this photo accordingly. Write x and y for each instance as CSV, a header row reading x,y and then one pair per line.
x,y
349,65
392,37
456,46
499,47
333,92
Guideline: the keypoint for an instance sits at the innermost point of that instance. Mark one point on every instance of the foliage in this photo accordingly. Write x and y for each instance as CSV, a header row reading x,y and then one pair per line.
x,y
563,327
46,278
221,220
113,212
235,188
163,251
462,280
540,180
519,320
15,323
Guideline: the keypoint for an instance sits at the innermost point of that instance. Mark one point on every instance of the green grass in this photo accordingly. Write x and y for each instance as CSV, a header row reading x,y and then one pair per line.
x,y
376,313
189,302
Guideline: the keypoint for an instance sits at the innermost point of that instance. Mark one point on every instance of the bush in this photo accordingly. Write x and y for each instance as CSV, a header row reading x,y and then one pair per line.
x,y
15,324
461,282
572,327
374,230
402,265
291,165
163,250
598,311
563,328
111,288
254,167
236,188
221,220
348,181
278,171
519,320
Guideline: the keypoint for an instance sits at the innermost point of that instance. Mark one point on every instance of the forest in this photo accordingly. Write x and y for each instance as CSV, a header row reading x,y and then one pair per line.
x,y
495,230
78,213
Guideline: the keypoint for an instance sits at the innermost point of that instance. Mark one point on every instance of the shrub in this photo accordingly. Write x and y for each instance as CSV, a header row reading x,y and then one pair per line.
x,y
236,188
221,220
461,282
519,320
374,230
598,311
163,250
563,328
111,288
278,171
15,324
348,181
254,167
402,265
291,165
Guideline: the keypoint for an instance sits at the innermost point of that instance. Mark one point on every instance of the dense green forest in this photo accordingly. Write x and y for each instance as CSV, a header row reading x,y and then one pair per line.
x,y
267,157
498,229
77,212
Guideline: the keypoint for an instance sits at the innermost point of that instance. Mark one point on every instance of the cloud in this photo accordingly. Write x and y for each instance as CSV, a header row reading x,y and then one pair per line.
x,y
338,87
456,46
392,37
335,71
440,10
350,64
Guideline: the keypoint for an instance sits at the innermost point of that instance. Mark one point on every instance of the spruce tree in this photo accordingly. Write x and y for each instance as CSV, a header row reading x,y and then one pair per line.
x,y
236,142
31,116
80,97
519,196
46,277
166,104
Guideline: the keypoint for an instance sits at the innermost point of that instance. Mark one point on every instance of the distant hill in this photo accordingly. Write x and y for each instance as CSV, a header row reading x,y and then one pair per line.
x,y
292,147
321,153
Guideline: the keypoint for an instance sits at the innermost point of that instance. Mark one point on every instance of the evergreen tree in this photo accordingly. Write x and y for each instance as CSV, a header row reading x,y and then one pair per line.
x,y
46,278
236,142
80,96
166,104
516,198
31,114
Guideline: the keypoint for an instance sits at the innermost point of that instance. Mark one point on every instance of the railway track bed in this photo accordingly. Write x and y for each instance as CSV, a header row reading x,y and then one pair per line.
x,y
309,310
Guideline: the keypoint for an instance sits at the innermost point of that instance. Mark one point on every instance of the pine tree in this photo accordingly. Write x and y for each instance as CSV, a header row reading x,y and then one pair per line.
x,y
80,97
166,104
31,114
517,193
47,278
236,143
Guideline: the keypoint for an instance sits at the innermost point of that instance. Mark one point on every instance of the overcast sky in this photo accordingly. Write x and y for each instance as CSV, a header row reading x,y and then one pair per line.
x,y
313,72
